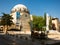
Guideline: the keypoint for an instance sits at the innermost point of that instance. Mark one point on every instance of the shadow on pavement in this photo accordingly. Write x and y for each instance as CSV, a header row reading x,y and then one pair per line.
x,y
25,39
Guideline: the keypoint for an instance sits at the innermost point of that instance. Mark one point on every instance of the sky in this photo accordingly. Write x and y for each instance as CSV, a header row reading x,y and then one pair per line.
x,y
36,7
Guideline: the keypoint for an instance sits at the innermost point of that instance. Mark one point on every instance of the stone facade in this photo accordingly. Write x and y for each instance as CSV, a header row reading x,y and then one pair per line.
x,y
21,22
55,21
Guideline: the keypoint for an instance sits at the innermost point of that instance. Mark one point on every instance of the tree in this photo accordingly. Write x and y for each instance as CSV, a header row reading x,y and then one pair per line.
x,y
44,19
6,20
50,23
38,23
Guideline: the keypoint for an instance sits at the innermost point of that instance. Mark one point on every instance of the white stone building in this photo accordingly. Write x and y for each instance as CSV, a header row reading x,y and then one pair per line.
x,y
21,17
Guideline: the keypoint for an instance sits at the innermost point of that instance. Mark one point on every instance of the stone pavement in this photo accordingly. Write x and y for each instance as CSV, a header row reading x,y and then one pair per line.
x,y
26,40
2,40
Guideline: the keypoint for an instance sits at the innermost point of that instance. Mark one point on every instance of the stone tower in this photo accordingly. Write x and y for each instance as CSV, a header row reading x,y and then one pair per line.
x,y
21,17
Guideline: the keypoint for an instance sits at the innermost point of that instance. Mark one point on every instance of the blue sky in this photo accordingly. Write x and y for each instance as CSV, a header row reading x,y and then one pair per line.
x,y
36,7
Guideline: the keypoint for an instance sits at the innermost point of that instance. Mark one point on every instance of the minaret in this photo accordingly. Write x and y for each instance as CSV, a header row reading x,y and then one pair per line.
x,y
47,21
31,18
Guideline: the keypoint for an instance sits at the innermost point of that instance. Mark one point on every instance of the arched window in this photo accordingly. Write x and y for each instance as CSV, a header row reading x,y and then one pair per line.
x,y
17,15
25,15
17,18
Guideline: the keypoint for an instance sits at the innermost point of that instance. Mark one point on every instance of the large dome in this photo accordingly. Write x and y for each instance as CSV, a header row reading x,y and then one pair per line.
x,y
19,7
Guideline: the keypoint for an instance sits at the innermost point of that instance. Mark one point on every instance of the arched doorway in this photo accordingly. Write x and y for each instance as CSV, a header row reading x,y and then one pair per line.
x,y
53,26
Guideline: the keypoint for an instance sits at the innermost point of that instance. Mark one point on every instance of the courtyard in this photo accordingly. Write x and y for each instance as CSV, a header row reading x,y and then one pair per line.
x,y
25,39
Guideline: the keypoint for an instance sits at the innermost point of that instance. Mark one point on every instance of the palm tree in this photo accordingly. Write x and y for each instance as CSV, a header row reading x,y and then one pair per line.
x,y
6,20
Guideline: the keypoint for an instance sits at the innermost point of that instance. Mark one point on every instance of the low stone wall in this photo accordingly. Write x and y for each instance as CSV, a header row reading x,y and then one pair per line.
x,y
18,32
